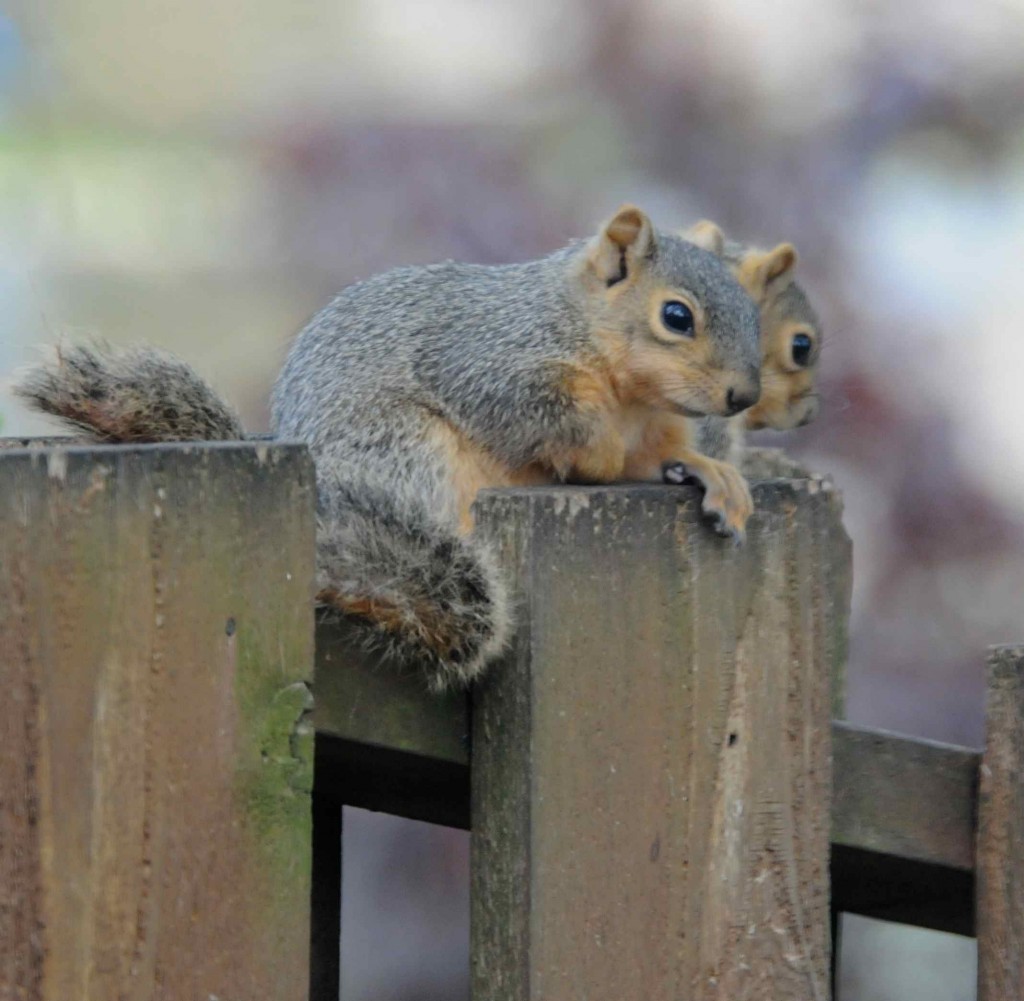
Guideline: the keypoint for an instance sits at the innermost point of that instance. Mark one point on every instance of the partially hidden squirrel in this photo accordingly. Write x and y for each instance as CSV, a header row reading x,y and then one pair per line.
x,y
418,387
791,338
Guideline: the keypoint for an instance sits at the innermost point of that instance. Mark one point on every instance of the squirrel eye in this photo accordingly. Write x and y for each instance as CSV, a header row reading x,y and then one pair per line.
x,y
801,350
678,317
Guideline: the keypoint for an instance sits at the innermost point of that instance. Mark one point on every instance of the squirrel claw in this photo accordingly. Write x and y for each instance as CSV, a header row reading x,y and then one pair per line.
x,y
677,474
726,504
673,472
727,531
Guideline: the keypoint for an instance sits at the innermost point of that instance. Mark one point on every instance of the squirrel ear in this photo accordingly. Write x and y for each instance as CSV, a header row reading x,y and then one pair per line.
x,y
759,270
621,245
706,235
779,261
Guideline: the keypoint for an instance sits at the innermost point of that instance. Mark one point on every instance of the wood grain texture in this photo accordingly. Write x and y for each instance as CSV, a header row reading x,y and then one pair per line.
x,y
380,705
1000,866
651,768
156,635
905,797
901,797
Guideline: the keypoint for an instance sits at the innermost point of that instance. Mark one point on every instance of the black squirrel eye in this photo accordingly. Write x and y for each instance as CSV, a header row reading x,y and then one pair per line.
x,y
801,349
677,316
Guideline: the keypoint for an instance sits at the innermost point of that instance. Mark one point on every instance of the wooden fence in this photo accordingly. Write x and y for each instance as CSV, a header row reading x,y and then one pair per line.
x,y
663,805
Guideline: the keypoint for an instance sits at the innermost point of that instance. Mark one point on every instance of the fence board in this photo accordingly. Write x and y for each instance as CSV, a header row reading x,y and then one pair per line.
x,y
111,710
379,705
906,797
1000,880
156,639
650,764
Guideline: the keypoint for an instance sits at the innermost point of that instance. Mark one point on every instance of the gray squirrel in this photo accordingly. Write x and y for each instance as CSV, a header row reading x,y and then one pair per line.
x,y
791,338
418,387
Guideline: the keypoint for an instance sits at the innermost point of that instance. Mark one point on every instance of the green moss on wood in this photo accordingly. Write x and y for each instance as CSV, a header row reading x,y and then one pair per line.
x,y
275,763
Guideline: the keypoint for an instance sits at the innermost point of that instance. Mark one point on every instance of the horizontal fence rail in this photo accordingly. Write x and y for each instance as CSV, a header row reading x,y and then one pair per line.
x,y
903,808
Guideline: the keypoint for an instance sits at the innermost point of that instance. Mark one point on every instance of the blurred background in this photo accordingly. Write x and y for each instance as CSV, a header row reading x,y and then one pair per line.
x,y
202,174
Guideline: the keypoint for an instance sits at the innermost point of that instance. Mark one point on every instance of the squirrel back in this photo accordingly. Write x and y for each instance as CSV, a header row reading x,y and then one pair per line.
x,y
473,342
417,388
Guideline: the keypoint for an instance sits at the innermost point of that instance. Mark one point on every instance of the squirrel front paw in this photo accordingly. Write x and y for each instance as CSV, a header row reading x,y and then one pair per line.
x,y
727,499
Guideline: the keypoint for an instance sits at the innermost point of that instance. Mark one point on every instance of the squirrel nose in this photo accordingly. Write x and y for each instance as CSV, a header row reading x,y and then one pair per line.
x,y
739,399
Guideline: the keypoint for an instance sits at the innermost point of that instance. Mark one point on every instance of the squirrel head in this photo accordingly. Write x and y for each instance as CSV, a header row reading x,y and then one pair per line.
x,y
790,329
680,332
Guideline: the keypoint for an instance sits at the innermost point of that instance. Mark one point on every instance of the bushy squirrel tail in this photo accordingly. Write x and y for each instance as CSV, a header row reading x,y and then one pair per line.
x,y
414,588
129,394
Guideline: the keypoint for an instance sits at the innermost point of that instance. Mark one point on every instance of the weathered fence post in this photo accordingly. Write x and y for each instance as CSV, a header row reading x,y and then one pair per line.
x,y
156,637
651,767
999,873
